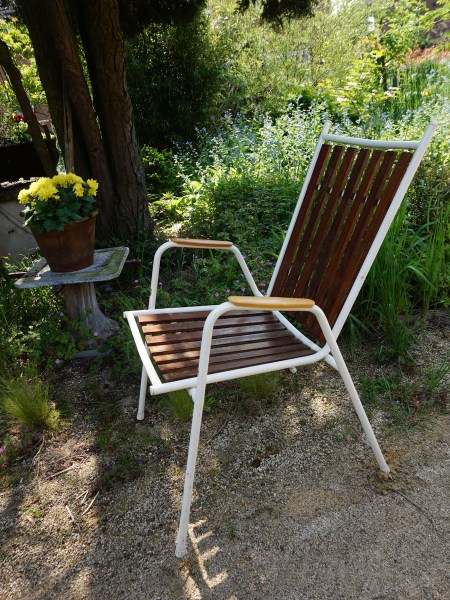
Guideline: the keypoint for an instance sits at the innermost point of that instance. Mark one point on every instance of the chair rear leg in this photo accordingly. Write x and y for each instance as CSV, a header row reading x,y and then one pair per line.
x,y
199,397
142,394
342,368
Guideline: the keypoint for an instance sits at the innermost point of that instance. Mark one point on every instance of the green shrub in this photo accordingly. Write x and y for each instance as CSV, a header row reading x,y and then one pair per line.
x,y
160,172
173,75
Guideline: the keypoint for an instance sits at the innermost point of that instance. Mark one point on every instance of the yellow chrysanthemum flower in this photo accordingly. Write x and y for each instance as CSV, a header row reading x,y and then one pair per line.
x,y
60,179
78,189
47,191
93,187
72,178
24,196
36,185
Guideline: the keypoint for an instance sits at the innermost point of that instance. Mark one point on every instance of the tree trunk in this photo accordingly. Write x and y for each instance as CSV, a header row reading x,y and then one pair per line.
x,y
15,79
78,91
122,199
106,62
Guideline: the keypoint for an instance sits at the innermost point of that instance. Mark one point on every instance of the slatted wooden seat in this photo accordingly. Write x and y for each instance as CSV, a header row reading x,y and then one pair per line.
x,y
351,194
239,340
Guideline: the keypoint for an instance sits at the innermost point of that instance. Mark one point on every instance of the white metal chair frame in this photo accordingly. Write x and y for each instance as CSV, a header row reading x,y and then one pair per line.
x,y
329,352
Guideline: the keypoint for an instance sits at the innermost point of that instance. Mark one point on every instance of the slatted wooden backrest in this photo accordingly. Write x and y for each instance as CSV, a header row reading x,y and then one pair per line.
x,y
343,207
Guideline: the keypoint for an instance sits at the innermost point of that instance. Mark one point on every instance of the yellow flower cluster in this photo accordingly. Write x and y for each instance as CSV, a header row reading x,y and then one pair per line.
x,y
47,188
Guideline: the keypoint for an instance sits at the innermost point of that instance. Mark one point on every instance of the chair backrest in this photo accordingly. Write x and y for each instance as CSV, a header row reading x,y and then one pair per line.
x,y
353,189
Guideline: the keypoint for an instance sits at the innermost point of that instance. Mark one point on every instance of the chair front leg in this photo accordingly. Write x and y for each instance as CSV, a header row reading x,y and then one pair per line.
x,y
142,395
199,400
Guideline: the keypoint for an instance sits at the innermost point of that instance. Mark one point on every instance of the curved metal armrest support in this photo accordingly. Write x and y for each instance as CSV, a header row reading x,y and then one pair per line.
x,y
277,304
205,244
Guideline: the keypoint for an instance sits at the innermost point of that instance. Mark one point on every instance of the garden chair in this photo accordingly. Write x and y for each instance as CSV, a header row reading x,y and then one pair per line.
x,y
350,196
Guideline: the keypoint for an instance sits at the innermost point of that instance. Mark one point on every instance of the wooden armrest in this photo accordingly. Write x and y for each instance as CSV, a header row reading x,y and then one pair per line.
x,y
271,302
188,243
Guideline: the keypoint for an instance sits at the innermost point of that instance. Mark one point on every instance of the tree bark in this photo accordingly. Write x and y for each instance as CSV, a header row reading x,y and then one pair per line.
x,y
108,153
78,91
106,63
15,78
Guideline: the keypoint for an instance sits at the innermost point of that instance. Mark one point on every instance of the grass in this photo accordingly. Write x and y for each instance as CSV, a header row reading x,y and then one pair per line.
x,y
261,386
436,374
407,399
180,404
25,402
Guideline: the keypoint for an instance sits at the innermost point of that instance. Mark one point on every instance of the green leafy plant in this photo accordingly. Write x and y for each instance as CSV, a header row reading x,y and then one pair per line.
x,y
15,35
52,203
160,173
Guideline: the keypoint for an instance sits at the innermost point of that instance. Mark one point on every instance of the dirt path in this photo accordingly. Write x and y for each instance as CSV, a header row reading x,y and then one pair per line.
x,y
288,504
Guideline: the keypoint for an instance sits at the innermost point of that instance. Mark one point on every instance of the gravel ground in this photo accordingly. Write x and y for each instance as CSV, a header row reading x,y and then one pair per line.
x,y
288,505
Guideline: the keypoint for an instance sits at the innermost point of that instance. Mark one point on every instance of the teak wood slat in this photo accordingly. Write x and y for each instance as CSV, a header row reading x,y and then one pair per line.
x,y
348,196
237,342
177,346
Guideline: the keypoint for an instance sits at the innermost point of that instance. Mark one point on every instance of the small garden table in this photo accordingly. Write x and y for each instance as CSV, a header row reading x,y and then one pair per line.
x,y
78,288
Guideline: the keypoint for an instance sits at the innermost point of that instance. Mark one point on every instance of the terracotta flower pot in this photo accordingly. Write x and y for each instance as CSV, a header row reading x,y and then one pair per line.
x,y
71,249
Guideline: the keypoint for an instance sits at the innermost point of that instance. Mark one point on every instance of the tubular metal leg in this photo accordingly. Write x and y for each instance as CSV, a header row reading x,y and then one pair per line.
x,y
342,368
142,394
361,413
190,471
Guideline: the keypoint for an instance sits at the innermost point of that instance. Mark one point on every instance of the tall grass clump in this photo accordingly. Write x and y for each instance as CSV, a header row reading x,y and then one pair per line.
x,y
418,84
261,386
180,404
386,301
25,402
411,272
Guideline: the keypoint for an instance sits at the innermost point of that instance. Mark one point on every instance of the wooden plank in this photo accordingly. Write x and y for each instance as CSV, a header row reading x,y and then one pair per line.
x,y
175,375
170,355
191,316
219,332
224,359
196,325
319,283
368,233
176,346
302,219
321,197
271,302
317,247
193,243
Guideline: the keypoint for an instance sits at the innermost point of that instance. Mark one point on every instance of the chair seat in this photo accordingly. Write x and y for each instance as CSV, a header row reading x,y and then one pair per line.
x,y
240,339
